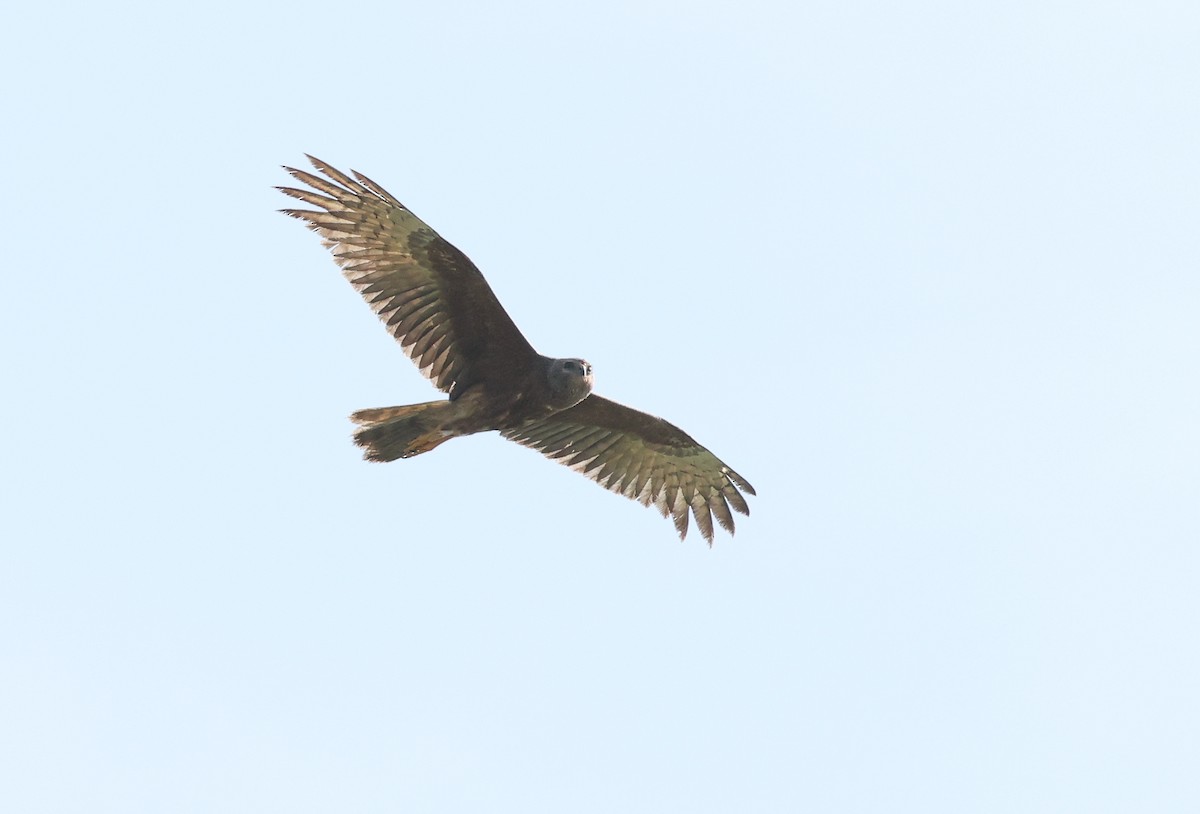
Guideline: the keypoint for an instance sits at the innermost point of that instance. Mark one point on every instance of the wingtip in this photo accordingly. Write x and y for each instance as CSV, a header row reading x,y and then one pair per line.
x,y
321,166
738,481
377,189
681,523
298,214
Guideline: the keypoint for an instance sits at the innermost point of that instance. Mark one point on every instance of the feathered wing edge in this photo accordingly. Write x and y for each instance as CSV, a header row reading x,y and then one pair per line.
x,y
428,294
368,232
643,458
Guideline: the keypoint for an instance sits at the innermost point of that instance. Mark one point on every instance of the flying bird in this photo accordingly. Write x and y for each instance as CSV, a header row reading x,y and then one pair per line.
x,y
436,303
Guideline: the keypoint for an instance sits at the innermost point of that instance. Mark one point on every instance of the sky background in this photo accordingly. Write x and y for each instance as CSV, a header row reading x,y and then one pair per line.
x,y
927,274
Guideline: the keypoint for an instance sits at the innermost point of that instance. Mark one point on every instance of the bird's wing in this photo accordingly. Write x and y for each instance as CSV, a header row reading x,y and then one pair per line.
x,y
429,294
642,457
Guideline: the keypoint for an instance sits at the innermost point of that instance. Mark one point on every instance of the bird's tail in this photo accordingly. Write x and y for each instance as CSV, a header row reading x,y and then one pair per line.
x,y
388,433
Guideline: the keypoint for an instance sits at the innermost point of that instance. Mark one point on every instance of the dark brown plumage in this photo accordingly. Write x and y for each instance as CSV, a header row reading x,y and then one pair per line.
x,y
436,303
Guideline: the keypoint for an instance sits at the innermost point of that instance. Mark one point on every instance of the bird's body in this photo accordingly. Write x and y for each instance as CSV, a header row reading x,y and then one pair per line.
x,y
479,407
439,307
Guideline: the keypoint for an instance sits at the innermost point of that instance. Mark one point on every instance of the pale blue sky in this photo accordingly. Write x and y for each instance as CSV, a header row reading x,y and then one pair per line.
x,y
927,274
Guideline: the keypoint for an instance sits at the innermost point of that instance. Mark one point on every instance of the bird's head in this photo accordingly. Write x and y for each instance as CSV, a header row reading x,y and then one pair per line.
x,y
570,381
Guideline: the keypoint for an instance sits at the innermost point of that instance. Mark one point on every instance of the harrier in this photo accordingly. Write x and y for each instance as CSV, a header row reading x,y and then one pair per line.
x,y
435,302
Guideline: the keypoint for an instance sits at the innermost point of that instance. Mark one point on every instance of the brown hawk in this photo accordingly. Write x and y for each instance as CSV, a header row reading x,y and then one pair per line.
x,y
435,302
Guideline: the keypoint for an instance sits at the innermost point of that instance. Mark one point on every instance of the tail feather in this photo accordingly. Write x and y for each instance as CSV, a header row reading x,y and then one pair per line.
x,y
389,433
379,415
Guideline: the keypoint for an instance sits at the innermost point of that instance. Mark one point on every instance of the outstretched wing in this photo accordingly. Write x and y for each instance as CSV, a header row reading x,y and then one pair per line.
x,y
642,457
428,293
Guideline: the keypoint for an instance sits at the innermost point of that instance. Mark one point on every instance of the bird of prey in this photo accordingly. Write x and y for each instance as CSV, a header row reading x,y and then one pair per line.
x,y
435,302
